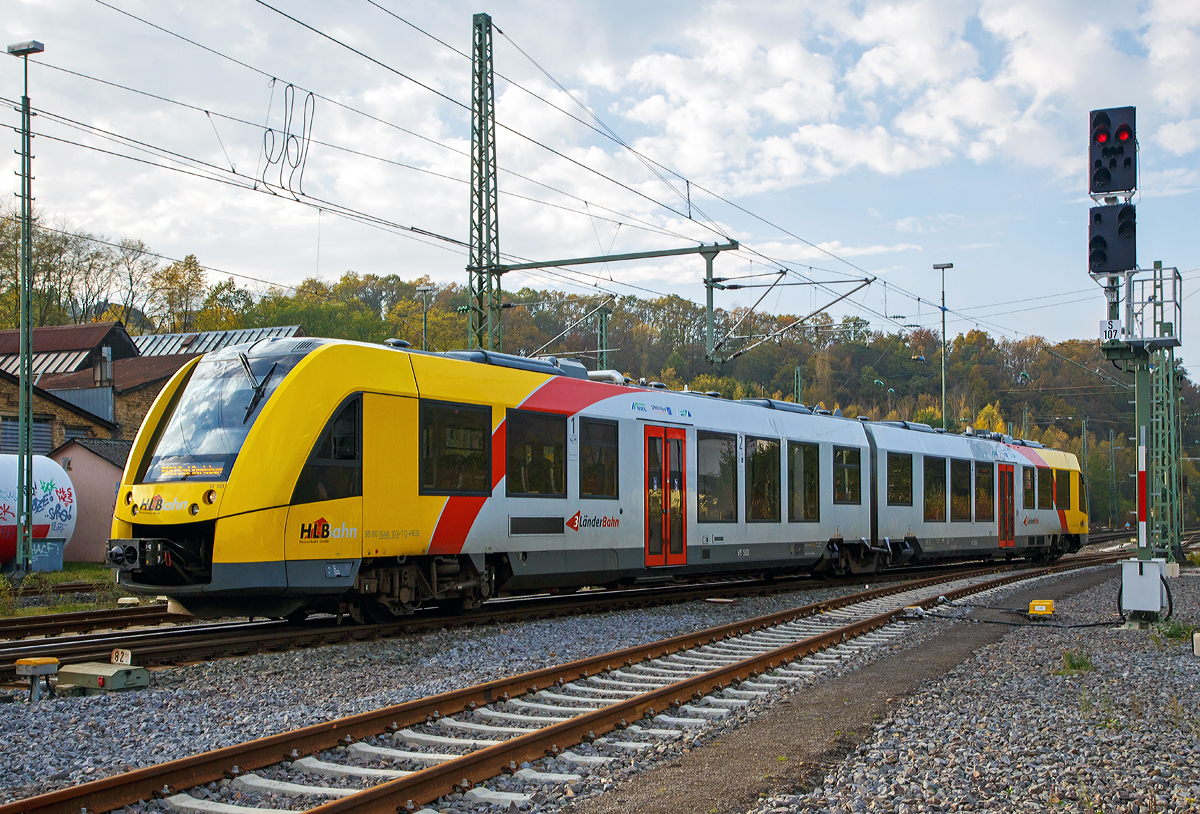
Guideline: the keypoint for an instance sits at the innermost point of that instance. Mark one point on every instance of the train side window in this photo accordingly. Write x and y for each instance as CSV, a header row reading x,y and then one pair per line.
x,y
985,503
716,477
597,458
1045,483
804,469
1062,488
1083,494
1027,482
334,467
847,475
935,490
762,480
455,449
537,459
960,491
899,479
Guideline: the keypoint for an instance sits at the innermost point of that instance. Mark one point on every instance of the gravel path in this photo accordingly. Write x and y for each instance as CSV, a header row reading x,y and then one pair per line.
x,y
187,710
1016,730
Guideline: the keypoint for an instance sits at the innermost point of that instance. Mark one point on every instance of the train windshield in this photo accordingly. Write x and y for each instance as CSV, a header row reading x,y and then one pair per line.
x,y
213,416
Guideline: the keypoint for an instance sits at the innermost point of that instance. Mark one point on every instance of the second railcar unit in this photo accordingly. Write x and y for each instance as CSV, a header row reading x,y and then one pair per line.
x,y
293,475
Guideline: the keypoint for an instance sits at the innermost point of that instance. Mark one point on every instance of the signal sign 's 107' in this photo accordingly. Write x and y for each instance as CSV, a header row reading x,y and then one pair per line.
x,y
1110,329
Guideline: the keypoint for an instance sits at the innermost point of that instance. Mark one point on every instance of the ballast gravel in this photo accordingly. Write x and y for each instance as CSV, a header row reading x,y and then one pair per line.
x,y
1016,729
65,741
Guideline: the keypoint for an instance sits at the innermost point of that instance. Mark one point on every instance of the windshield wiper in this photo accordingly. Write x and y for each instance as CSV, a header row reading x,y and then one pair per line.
x,y
259,387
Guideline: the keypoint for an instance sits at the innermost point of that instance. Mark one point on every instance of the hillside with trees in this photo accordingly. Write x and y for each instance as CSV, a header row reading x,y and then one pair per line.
x,y
1027,387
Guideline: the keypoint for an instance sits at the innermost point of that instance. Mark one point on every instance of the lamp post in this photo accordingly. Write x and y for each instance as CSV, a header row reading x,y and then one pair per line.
x,y
424,291
942,267
25,370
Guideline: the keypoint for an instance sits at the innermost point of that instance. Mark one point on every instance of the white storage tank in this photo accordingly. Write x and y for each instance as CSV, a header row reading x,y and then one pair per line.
x,y
54,504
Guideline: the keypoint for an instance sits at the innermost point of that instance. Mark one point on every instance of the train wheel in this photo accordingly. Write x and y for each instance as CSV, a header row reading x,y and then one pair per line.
x,y
297,616
377,612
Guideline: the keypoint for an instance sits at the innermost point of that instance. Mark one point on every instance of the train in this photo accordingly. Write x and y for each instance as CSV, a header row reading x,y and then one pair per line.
x,y
300,475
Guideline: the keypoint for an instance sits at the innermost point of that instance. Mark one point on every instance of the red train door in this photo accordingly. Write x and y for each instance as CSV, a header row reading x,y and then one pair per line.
x,y
1007,514
666,496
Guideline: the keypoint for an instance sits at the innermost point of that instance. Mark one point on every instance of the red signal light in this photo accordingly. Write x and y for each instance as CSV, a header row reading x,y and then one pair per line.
x,y
1100,136
1124,133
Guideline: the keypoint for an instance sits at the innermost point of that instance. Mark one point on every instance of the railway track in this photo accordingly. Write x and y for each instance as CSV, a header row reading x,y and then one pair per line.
x,y
56,624
163,646
581,714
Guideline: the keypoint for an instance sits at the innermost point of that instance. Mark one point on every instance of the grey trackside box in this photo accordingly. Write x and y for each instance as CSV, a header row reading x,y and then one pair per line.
x,y
97,677
1142,585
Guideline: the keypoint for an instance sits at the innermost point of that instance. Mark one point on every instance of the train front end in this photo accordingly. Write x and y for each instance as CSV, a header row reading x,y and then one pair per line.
x,y
177,530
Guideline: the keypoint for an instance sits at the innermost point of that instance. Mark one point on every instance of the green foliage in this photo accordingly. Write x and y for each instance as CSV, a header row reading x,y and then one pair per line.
x,y
8,596
1194,557
1075,662
38,583
1174,629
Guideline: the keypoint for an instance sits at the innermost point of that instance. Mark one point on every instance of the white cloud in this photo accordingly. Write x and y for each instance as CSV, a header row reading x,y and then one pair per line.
x,y
1179,137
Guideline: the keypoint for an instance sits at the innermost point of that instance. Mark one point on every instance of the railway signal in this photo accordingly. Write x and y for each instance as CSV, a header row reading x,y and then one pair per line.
x,y
1112,156
1112,239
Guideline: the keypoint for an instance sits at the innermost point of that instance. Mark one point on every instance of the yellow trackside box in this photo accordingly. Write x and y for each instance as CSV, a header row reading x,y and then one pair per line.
x,y
1042,607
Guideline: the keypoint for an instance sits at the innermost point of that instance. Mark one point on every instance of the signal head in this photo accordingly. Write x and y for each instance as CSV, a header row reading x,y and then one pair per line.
x,y
1112,153
1124,133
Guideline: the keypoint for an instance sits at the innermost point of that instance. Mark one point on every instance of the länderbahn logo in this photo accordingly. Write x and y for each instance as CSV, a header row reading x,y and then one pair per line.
x,y
592,521
321,530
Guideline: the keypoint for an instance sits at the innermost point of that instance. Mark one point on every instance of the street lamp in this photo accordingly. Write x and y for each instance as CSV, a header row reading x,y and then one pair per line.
x,y
942,267
25,371
424,291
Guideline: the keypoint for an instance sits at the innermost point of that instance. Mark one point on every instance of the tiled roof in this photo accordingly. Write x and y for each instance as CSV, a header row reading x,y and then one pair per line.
x,y
205,341
115,452
128,374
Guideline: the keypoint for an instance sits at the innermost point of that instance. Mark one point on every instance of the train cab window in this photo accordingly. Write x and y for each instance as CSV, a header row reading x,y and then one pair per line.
x,y
762,479
1045,484
716,477
334,468
537,454
597,458
1062,488
935,490
847,475
1030,489
985,491
899,479
804,469
1083,494
960,491
455,449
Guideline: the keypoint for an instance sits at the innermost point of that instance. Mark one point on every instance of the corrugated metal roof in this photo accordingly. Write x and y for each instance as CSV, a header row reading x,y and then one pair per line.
x,y
50,338
67,361
205,341
96,400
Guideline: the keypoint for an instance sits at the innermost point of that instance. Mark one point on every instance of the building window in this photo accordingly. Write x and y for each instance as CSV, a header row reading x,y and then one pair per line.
x,y
537,459
716,477
899,479
960,491
1062,488
77,432
42,432
1045,483
597,458
984,492
847,475
762,479
455,449
1028,482
935,490
334,469
804,469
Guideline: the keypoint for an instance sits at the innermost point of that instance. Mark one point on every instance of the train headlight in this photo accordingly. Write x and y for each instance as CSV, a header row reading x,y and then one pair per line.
x,y
194,509
133,509
210,497
128,498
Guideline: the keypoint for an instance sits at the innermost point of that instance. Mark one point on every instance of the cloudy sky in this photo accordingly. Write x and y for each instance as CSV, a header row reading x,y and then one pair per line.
x,y
844,140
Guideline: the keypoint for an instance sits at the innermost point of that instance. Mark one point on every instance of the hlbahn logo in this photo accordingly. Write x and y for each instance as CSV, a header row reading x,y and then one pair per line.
x,y
157,504
588,521
321,530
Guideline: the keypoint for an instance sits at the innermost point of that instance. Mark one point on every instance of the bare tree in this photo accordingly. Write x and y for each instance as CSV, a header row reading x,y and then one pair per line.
x,y
134,268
